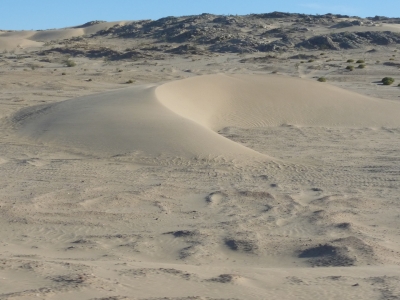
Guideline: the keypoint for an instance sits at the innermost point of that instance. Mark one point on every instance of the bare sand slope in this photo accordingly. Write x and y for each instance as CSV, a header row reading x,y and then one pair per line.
x,y
31,38
67,33
126,121
248,101
13,43
180,119
15,39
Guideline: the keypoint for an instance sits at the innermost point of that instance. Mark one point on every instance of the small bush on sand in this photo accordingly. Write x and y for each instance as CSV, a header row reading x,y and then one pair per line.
x,y
360,61
130,81
350,60
361,66
310,60
387,80
34,66
322,79
350,68
69,63
63,73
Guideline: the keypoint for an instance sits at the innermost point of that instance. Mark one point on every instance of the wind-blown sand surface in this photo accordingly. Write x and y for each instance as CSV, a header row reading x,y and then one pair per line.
x,y
135,192
206,179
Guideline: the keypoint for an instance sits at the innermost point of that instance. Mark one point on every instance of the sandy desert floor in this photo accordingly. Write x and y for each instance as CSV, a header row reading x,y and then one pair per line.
x,y
210,177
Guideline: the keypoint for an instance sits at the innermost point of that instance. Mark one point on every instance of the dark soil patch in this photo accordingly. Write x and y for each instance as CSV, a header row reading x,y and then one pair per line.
x,y
181,233
240,245
327,256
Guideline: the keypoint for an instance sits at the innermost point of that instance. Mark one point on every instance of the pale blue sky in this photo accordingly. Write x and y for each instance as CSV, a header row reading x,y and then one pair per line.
x,y
46,14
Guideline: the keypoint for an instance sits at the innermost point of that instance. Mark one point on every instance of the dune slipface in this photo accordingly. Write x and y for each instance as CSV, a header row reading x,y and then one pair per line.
x,y
247,101
181,118
125,121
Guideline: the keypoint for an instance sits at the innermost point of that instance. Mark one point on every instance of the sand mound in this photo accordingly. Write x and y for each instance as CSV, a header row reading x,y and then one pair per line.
x,y
10,43
180,119
248,101
126,121
58,34
30,38
66,33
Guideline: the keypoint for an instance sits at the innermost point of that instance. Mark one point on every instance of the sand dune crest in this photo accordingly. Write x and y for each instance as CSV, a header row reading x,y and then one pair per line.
x,y
219,101
181,118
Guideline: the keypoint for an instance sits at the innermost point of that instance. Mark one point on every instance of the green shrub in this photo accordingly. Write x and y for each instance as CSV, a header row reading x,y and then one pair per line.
x,y
391,58
63,73
34,66
362,66
322,79
69,63
387,80
360,61
350,60
350,68
310,60
130,81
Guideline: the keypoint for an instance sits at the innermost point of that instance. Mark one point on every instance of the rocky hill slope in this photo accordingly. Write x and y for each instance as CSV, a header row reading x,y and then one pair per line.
x,y
207,33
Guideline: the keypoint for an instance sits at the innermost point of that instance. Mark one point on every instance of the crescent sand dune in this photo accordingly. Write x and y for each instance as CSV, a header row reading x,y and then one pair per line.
x,y
131,120
182,118
218,101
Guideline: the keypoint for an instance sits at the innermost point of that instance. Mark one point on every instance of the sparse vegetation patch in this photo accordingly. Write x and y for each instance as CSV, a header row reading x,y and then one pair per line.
x,y
387,81
69,63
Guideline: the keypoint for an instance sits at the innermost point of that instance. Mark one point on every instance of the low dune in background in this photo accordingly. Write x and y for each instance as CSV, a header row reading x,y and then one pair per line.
x,y
11,40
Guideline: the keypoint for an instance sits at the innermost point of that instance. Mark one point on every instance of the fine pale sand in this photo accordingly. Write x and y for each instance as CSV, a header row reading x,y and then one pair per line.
x,y
182,118
11,40
221,182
